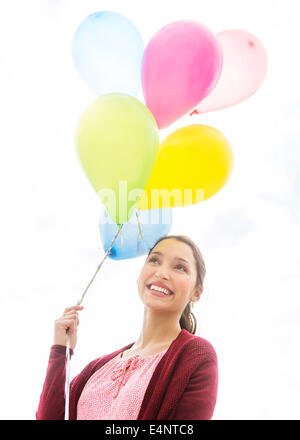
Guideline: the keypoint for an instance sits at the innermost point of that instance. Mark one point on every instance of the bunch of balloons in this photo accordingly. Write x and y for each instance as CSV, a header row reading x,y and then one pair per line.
x,y
184,69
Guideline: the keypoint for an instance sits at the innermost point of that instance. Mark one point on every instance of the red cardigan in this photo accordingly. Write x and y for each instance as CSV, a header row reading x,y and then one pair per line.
x,y
183,385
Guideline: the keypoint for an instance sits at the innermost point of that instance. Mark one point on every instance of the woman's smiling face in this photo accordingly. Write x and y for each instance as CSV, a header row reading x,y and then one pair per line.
x,y
171,266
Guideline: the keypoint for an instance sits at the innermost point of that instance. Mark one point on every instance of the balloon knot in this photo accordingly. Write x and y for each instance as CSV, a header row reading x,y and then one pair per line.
x,y
194,112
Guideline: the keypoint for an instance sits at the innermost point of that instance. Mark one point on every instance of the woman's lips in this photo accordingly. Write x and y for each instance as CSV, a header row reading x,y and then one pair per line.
x,y
157,293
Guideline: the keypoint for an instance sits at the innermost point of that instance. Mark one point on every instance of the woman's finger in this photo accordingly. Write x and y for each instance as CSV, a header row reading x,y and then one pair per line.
x,y
70,314
71,325
68,309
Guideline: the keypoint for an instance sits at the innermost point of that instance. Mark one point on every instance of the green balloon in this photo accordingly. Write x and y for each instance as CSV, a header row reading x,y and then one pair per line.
x,y
117,145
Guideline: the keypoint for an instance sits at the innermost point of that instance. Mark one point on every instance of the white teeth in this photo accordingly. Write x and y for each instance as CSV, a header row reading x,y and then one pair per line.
x,y
160,289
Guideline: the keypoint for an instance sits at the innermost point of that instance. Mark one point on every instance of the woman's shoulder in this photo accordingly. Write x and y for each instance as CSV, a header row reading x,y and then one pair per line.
x,y
198,345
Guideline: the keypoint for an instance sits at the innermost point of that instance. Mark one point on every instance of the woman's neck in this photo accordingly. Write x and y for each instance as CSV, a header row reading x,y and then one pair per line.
x,y
153,338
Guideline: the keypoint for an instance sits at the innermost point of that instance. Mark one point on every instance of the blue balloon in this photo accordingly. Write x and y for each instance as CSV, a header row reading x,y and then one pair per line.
x,y
107,52
136,238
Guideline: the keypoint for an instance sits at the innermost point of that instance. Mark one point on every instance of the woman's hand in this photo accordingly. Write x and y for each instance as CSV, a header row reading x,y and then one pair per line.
x,y
69,320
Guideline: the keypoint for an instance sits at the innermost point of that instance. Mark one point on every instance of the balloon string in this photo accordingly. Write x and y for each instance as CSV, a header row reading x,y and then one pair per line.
x,y
121,236
99,267
140,229
67,383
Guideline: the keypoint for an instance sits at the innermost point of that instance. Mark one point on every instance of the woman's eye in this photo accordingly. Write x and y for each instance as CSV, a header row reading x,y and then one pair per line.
x,y
181,267
178,266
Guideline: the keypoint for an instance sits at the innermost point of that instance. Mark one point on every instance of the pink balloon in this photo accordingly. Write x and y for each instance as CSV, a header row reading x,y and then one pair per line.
x,y
181,65
243,71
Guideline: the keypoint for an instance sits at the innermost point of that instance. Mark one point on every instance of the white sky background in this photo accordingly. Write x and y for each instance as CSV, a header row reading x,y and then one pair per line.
x,y
248,232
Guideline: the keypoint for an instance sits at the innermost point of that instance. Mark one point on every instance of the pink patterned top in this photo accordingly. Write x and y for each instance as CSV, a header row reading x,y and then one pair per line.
x,y
105,396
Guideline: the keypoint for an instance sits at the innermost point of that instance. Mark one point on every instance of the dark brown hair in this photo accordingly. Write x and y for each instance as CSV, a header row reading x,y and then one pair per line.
x,y
188,320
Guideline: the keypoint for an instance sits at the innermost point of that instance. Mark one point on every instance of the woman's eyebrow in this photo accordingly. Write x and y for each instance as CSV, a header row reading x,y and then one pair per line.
x,y
176,258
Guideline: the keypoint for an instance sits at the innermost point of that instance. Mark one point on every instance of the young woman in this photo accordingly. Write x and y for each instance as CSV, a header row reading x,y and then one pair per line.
x,y
168,373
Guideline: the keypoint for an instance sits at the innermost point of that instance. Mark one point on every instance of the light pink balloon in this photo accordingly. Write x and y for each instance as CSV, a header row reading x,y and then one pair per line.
x,y
181,65
243,71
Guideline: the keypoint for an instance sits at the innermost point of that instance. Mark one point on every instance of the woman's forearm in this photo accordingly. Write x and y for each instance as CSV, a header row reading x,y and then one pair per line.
x,y
52,399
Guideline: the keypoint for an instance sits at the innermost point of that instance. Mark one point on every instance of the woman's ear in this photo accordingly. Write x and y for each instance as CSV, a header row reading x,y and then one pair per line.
x,y
197,293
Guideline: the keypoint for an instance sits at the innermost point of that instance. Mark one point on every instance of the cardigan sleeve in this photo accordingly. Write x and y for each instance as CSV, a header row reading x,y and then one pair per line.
x,y
199,397
52,399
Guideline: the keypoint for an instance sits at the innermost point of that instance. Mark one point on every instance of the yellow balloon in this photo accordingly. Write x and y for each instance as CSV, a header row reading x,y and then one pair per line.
x,y
193,163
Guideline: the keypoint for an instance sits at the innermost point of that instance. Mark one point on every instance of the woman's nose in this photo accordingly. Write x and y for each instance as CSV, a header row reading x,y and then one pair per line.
x,y
162,274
